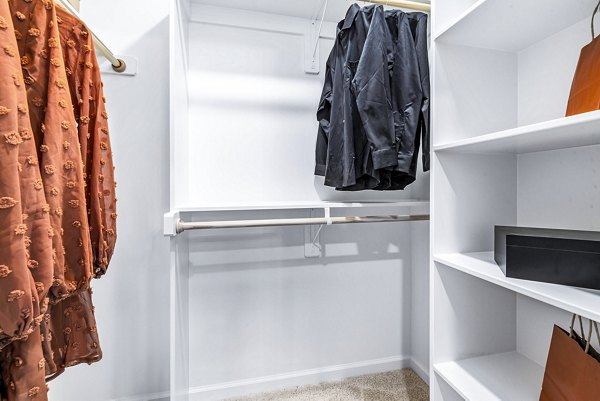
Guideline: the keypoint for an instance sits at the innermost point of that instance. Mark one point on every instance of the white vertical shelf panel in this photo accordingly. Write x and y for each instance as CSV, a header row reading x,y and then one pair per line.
x,y
179,319
513,25
179,245
500,377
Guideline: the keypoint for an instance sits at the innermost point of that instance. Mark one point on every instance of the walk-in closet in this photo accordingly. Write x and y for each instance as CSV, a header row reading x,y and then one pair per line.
x,y
300,200
283,305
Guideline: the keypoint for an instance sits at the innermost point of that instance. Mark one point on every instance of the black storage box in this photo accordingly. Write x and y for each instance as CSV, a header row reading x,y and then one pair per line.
x,y
565,257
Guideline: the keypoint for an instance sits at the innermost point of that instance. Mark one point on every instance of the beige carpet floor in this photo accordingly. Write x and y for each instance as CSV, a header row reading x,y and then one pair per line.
x,y
399,385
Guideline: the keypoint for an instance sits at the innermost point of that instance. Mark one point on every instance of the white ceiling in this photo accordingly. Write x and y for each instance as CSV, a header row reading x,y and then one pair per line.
x,y
336,9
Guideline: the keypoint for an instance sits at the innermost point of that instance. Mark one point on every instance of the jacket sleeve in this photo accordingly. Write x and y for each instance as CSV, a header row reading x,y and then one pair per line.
x,y
103,213
423,62
372,88
324,117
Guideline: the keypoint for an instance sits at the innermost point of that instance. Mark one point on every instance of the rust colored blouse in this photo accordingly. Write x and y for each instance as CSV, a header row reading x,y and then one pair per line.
x,y
55,132
57,195
85,83
26,258
25,243
73,335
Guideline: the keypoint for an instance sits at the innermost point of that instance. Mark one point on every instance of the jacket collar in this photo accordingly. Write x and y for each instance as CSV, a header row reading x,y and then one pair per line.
x,y
350,16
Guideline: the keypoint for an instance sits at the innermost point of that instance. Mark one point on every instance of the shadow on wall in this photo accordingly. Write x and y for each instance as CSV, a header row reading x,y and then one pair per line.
x,y
277,247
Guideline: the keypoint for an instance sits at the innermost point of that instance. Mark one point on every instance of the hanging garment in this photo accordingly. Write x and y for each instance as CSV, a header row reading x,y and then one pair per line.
x,y
25,245
26,264
75,337
55,132
389,103
86,88
50,241
410,92
356,128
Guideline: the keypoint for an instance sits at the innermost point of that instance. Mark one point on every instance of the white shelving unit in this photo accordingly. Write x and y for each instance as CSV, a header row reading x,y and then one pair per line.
x,y
504,154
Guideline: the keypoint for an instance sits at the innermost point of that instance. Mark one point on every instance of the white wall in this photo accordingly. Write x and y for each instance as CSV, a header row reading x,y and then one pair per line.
x,y
262,316
132,299
259,309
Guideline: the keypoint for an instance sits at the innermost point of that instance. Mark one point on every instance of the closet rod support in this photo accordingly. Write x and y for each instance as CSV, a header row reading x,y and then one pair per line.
x,y
182,226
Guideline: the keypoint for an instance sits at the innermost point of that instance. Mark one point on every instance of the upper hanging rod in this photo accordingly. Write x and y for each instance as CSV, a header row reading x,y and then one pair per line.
x,y
182,226
412,5
117,64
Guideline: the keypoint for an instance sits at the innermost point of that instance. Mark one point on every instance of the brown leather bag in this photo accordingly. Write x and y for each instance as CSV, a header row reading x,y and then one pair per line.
x,y
572,373
585,90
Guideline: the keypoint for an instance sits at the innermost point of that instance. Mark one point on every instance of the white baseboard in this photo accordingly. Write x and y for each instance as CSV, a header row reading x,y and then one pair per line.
x,y
237,388
419,370
162,396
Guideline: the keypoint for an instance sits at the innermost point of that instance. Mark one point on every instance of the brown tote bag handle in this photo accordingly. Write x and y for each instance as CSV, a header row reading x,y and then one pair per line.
x,y
593,16
587,347
587,341
572,330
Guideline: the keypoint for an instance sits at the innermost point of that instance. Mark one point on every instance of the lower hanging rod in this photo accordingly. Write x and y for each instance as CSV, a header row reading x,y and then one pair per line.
x,y
184,226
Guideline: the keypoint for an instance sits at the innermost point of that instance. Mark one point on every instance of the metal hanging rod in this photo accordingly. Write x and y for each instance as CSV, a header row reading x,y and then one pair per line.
x,y
412,5
117,64
182,226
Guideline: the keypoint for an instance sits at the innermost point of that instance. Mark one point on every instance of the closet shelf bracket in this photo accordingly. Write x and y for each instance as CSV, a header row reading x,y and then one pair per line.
x,y
311,49
311,42
312,234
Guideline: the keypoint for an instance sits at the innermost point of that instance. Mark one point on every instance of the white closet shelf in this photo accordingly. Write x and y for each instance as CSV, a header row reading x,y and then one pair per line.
x,y
249,207
512,25
567,132
482,265
507,376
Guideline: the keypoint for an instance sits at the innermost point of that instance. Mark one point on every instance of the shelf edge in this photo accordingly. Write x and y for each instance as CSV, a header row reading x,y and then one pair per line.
x,y
516,287
524,131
